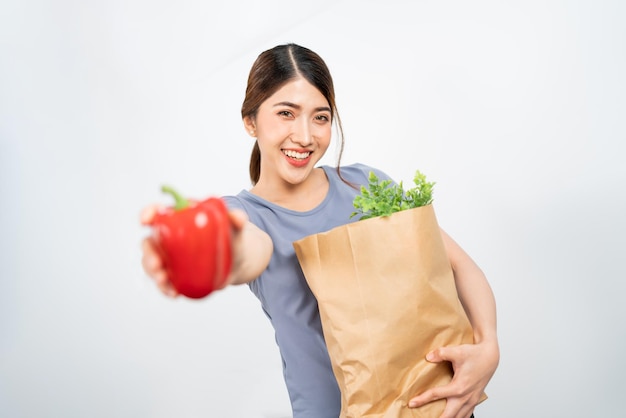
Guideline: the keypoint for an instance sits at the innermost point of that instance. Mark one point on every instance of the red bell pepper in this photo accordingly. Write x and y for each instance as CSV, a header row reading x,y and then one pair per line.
x,y
194,241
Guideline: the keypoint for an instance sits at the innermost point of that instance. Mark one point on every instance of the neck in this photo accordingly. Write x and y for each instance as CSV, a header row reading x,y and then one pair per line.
x,y
303,196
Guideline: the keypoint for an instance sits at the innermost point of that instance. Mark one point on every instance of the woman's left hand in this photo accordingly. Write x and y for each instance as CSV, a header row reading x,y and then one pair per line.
x,y
473,365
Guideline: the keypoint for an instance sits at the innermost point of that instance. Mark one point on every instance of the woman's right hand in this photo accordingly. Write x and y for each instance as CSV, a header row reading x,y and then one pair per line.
x,y
151,259
251,251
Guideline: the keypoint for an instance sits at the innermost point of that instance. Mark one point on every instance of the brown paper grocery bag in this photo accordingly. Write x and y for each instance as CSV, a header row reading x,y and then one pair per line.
x,y
386,297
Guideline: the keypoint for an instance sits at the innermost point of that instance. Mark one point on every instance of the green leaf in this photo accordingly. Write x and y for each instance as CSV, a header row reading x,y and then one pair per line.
x,y
382,198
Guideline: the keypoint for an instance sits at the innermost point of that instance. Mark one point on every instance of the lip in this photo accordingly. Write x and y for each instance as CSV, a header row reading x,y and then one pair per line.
x,y
298,162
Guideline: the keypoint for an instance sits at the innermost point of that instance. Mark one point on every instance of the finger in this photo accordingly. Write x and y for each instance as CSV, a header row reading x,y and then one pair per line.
x,y
164,285
153,266
238,218
431,395
151,261
437,356
147,214
161,279
457,408
451,354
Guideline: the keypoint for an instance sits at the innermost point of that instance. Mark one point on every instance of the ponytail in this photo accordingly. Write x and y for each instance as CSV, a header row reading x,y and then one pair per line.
x,y
255,163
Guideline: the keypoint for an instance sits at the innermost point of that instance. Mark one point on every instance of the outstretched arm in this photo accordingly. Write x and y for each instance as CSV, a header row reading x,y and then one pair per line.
x,y
252,249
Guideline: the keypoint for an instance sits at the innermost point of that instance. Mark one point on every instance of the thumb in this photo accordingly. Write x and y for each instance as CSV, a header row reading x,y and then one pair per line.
x,y
438,355
147,214
238,218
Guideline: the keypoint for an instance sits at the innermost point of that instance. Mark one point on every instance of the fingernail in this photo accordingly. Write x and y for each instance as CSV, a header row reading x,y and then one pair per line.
x,y
430,356
412,404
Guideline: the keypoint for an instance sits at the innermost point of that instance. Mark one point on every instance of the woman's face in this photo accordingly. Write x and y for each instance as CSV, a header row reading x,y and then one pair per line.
x,y
293,130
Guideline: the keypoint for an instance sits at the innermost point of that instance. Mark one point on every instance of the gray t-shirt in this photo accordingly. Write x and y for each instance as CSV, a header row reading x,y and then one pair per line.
x,y
285,296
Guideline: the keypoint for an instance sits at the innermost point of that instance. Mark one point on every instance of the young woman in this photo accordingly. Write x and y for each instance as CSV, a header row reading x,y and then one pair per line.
x,y
290,109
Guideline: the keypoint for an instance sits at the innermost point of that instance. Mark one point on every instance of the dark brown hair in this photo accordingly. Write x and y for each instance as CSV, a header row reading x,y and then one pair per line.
x,y
272,70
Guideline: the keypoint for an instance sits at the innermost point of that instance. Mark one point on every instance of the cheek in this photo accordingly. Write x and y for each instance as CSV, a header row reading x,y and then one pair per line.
x,y
274,131
265,124
323,134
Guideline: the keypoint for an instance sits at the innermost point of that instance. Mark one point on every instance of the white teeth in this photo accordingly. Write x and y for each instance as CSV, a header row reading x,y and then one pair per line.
x,y
295,154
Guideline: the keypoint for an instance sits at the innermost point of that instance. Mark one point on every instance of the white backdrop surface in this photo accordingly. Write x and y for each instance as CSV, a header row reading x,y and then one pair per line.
x,y
515,109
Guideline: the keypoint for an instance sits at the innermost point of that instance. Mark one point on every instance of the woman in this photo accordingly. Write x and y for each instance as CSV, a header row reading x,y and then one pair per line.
x,y
290,109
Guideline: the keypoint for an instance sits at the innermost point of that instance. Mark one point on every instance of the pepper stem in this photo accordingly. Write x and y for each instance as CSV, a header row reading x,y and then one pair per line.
x,y
180,202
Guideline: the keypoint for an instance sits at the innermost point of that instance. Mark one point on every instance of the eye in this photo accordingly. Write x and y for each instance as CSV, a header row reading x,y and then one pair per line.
x,y
323,118
285,113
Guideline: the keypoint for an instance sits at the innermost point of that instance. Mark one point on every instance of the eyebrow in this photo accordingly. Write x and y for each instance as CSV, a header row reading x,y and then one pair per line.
x,y
298,107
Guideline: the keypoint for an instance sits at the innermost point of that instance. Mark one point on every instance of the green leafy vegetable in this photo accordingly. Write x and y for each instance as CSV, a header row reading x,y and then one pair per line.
x,y
382,198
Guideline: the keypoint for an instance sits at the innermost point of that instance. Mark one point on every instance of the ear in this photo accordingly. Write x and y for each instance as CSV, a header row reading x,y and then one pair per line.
x,y
250,126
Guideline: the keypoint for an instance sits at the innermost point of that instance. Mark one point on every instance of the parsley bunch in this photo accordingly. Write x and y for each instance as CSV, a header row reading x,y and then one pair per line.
x,y
382,198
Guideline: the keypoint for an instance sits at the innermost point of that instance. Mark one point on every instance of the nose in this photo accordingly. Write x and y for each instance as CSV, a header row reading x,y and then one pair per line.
x,y
303,134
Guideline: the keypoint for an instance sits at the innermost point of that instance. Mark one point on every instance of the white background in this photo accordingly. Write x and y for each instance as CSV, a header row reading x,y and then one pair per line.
x,y
515,109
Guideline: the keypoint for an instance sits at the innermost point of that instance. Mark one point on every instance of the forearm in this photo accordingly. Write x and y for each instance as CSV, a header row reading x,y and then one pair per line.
x,y
478,301
252,250
474,293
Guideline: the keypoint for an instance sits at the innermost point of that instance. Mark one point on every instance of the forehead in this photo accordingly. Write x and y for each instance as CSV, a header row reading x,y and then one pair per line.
x,y
298,91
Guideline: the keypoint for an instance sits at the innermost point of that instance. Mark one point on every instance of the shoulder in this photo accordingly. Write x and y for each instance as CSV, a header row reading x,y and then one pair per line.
x,y
239,201
258,210
233,202
359,173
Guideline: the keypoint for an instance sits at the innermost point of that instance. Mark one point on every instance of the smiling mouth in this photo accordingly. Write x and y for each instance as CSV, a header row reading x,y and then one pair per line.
x,y
297,155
